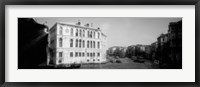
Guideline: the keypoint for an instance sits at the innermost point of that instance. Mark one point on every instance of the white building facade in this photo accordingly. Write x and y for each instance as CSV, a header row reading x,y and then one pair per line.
x,y
74,43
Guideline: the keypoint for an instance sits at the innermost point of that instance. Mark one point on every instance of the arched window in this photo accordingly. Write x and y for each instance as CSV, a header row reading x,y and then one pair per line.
x,y
80,43
93,54
88,33
98,44
76,54
83,54
60,31
98,35
80,33
93,44
83,33
90,54
71,42
76,32
91,34
72,32
88,44
83,43
79,54
60,42
76,42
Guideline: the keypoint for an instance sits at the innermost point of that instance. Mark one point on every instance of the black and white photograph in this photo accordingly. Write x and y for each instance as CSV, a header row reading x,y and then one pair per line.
x,y
100,43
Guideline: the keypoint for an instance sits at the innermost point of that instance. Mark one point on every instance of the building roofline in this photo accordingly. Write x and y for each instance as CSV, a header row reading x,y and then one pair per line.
x,y
78,26
53,26
103,34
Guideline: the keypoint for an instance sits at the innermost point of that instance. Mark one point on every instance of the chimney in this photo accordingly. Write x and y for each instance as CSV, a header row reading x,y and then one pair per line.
x,y
79,23
87,25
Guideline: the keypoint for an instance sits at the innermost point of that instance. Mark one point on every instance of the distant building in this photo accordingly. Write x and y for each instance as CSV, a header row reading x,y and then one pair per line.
x,y
162,48
140,50
117,51
162,39
110,51
75,43
169,47
153,53
147,51
130,51
124,52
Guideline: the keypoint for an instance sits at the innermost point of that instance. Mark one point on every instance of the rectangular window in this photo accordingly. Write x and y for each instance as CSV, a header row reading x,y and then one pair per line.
x,y
71,54
60,54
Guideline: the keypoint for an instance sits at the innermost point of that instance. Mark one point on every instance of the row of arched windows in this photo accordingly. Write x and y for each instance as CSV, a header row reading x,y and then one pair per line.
x,y
81,33
79,43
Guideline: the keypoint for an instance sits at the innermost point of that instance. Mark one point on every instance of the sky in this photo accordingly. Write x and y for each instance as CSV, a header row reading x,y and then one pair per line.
x,y
120,31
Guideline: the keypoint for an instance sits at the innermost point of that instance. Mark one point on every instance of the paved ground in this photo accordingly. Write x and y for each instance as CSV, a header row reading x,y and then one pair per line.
x,y
126,64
